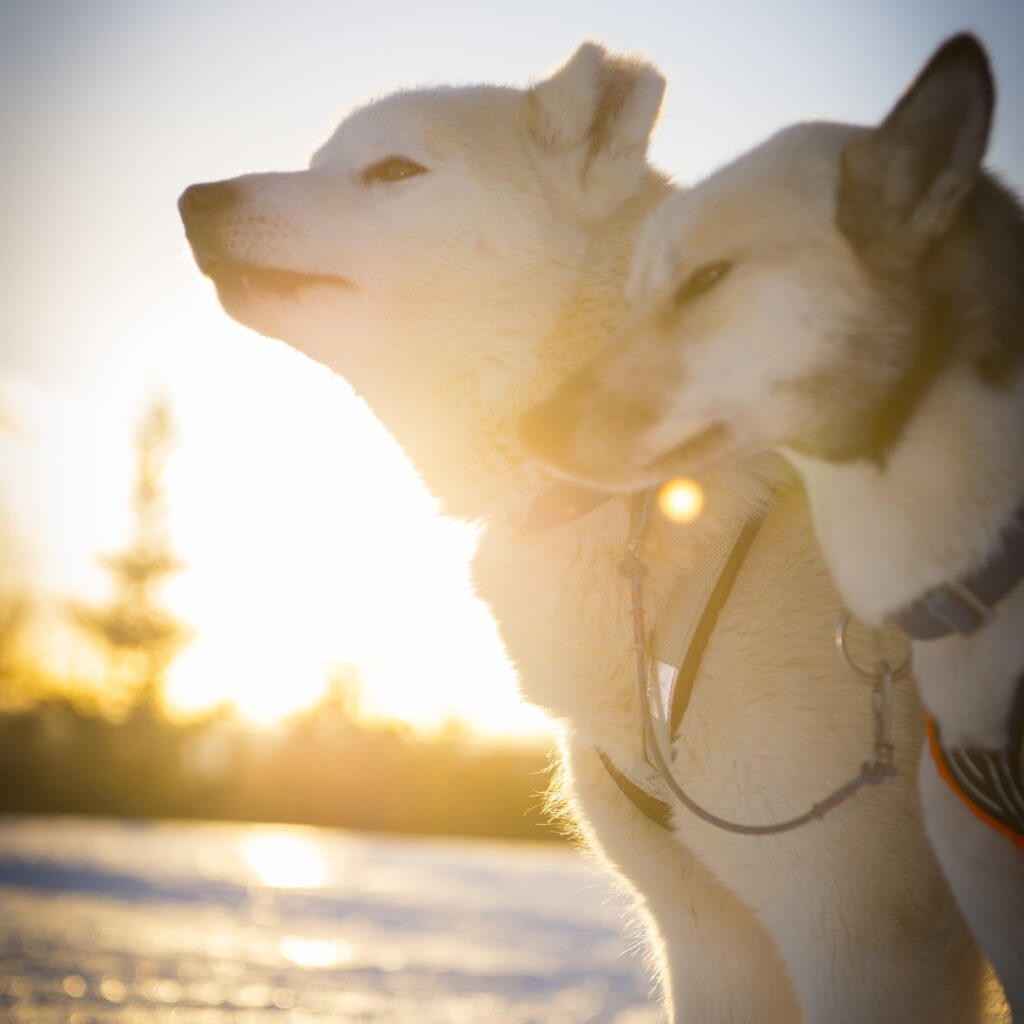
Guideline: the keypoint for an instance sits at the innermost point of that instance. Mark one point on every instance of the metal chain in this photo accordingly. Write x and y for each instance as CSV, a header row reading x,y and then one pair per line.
x,y
875,770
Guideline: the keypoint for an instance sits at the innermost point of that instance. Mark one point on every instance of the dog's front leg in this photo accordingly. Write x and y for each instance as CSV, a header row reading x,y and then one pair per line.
x,y
714,960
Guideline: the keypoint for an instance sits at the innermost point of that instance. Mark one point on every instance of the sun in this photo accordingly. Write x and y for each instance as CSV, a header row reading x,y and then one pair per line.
x,y
309,544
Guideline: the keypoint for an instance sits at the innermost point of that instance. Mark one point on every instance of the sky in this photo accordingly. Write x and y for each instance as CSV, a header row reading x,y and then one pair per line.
x,y
308,540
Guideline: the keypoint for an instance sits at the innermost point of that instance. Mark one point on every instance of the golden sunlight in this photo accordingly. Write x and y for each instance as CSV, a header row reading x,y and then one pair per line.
x,y
681,500
314,952
310,544
283,860
306,543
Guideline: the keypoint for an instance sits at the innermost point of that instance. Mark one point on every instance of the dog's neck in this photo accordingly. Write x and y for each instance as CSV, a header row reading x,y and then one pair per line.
x,y
936,509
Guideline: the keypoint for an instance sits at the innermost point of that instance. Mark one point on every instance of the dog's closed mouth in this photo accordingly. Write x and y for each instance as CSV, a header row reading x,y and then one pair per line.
x,y
254,278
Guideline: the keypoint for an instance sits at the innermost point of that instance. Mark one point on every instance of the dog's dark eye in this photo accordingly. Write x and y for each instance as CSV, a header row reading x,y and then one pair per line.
x,y
703,279
392,168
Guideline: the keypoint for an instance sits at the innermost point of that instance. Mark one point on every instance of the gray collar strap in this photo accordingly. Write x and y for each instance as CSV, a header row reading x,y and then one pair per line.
x,y
968,604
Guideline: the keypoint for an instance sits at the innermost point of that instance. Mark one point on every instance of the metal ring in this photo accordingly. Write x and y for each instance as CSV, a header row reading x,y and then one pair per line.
x,y
843,648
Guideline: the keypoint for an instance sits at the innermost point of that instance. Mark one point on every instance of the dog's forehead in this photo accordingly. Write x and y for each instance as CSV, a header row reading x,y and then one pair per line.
x,y
418,122
783,187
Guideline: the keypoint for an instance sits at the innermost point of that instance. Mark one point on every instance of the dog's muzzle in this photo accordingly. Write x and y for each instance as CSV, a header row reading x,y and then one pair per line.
x,y
202,208
198,201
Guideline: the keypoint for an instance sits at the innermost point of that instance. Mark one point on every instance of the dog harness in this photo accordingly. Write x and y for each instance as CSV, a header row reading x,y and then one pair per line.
x,y
677,645
676,651
667,663
990,781
654,674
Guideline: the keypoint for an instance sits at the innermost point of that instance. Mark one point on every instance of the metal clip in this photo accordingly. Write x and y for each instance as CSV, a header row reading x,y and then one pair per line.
x,y
880,765
881,719
843,647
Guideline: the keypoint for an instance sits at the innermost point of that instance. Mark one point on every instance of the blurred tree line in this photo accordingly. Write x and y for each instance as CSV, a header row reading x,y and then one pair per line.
x,y
324,766
61,756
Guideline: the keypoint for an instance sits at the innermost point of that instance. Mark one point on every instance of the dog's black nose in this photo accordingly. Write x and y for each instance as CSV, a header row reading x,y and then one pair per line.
x,y
199,200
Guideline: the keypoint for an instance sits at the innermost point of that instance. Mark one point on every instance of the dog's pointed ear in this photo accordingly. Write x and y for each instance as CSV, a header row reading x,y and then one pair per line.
x,y
902,184
592,120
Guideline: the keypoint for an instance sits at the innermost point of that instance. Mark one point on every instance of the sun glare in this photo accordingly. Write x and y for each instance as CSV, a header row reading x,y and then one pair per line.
x,y
310,544
307,543
681,500
283,860
314,952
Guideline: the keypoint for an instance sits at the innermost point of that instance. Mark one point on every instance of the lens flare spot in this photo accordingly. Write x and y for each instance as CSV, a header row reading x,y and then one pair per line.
x,y
74,985
113,990
681,500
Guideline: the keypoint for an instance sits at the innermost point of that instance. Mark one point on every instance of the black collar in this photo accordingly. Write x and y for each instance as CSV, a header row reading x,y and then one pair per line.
x,y
969,603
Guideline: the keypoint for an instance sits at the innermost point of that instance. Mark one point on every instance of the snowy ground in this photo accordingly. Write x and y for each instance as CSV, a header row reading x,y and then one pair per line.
x,y
214,923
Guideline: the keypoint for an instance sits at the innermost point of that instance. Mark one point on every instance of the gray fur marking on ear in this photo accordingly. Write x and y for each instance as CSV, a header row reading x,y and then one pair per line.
x,y
902,185
597,100
590,123
615,88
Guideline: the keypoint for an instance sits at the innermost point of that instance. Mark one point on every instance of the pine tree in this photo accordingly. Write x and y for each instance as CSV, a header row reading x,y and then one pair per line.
x,y
141,636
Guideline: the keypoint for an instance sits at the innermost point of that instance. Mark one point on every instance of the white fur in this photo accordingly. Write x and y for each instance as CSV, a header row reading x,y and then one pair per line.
x,y
475,287
935,513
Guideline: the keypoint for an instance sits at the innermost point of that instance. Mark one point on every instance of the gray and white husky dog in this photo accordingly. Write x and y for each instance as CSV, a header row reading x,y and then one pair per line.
x,y
855,299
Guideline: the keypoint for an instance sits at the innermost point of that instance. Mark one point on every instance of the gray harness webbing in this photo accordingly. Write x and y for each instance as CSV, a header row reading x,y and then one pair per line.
x,y
677,650
989,780
873,771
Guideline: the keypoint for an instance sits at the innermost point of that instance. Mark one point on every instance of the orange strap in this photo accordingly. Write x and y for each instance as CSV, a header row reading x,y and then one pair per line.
x,y
943,765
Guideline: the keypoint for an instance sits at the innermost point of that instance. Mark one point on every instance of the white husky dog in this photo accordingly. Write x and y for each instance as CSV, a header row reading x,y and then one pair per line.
x,y
454,253
855,298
